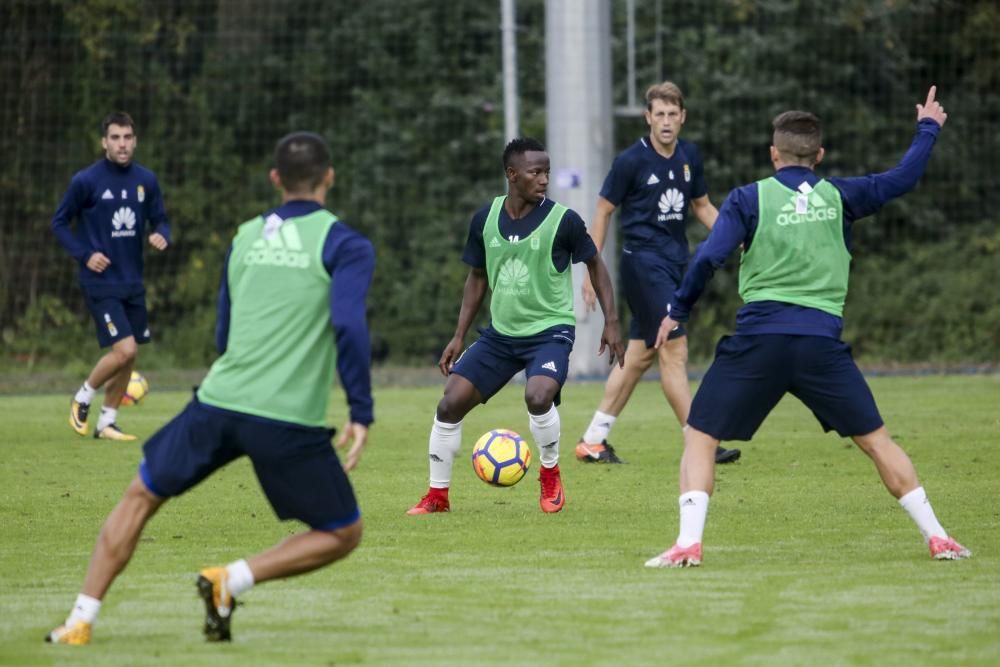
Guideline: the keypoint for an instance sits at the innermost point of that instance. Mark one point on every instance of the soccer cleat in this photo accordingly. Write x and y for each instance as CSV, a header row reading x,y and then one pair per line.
x,y
552,498
219,604
436,500
112,432
677,556
76,635
596,453
78,416
946,548
723,455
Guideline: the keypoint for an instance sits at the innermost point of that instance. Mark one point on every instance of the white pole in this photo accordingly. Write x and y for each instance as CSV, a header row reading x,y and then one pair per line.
x,y
511,111
579,138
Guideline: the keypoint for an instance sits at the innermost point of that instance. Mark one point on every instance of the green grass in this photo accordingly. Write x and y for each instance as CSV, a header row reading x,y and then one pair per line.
x,y
808,561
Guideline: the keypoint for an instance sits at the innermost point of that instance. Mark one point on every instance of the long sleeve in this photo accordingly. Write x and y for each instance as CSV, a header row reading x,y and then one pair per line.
x,y
730,230
69,209
223,308
350,258
865,195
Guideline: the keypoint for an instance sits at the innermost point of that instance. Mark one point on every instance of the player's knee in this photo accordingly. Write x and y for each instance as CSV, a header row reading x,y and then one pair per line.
x,y
538,401
674,353
872,442
342,541
641,359
451,409
126,350
352,536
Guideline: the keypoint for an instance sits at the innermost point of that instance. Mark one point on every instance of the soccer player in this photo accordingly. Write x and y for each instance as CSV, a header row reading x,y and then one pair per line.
x,y
795,229
113,199
521,247
655,181
291,309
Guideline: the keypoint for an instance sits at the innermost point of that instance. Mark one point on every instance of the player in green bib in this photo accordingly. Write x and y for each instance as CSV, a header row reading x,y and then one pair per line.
x,y
520,247
292,309
794,230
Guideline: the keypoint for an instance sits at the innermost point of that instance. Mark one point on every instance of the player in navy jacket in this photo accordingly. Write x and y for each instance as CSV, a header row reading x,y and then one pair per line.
x,y
112,201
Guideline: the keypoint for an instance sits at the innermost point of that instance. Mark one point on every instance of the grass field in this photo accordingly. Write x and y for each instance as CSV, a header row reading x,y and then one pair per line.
x,y
808,561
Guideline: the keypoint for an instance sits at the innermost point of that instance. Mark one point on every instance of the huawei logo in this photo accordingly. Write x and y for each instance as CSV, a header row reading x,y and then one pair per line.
x,y
672,200
123,217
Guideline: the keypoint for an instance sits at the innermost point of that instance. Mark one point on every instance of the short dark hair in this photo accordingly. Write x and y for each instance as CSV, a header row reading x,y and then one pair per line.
x,y
117,118
798,134
302,160
520,146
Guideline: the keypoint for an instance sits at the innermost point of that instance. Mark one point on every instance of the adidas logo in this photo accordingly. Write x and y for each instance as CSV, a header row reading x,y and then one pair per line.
x,y
107,195
652,180
494,243
688,503
550,366
281,246
806,205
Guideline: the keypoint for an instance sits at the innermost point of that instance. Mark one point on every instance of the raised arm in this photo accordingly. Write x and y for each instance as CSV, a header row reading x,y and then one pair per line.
x,y
865,195
473,294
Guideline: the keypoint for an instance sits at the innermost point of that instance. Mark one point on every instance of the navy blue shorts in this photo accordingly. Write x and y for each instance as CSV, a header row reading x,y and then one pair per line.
x,y
119,317
648,281
750,374
296,466
494,359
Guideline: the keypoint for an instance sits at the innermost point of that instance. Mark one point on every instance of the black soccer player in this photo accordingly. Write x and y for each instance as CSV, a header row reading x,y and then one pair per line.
x,y
520,247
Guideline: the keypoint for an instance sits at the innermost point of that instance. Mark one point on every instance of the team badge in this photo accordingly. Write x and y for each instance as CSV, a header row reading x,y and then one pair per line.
x,y
140,194
687,174
112,329
536,243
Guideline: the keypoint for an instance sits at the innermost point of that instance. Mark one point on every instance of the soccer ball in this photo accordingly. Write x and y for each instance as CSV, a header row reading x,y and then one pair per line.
x,y
501,457
136,390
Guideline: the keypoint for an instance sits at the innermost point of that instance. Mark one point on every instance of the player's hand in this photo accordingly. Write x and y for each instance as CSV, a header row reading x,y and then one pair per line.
x,y
612,340
450,355
357,435
931,108
158,241
588,293
98,262
666,326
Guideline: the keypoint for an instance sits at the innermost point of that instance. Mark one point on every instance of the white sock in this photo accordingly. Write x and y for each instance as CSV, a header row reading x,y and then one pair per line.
x,y
694,510
445,441
545,429
107,418
919,507
600,427
240,578
85,609
85,394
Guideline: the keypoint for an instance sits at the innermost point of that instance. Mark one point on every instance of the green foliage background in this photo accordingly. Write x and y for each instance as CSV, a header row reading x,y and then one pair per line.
x,y
409,96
